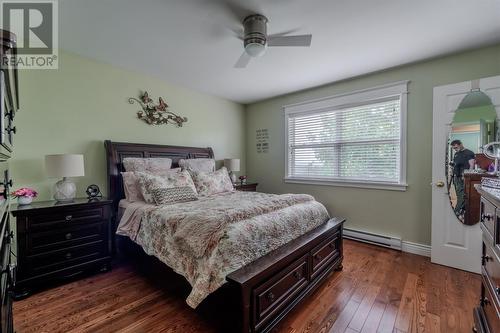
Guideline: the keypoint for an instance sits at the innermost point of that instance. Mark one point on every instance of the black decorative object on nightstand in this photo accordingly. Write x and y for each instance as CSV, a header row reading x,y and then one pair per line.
x,y
58,241
93,192
248,187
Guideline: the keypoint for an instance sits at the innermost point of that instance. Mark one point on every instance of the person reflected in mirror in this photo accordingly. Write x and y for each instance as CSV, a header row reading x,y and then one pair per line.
x,y
462,160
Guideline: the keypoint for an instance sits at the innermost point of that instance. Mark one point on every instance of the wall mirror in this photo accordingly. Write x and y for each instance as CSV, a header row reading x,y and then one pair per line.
x,y
474,125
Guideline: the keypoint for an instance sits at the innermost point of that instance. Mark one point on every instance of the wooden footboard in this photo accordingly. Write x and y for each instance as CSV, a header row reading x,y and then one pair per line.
x,y
273,285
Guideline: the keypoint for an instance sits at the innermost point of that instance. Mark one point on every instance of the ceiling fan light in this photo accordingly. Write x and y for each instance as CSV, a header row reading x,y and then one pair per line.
x,y
255,49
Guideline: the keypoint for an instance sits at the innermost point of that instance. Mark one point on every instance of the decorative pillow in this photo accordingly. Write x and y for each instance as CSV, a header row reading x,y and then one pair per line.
x,y
131,185
164,195
198,164
150,184
208,183
147,164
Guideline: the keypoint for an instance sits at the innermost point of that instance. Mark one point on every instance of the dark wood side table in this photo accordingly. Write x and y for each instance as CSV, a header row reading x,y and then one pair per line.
x,y
249,187
59,241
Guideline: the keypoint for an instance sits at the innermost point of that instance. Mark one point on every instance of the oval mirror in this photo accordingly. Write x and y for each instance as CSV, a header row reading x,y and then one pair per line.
x,y
474,125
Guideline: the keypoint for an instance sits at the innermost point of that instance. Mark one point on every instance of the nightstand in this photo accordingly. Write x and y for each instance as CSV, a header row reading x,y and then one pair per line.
x,y
58,241
248,187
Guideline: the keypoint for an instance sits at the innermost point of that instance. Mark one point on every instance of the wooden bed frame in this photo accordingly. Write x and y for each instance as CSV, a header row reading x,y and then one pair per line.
x,y
271,286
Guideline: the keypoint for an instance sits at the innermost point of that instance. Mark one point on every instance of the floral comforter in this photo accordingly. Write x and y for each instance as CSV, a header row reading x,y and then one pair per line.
x,y
207,239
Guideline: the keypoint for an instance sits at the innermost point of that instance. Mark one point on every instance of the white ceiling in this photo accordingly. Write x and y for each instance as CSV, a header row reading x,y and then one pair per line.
x,y
190,42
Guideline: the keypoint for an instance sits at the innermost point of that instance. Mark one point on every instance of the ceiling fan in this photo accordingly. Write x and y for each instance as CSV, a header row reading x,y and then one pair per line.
x,y
255,39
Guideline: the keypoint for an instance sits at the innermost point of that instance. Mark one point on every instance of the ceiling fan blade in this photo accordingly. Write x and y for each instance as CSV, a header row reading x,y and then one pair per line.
x,y
285,32
243,60
298,40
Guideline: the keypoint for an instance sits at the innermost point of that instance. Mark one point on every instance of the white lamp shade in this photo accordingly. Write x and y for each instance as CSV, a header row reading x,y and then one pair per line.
x,y
64,165
232,164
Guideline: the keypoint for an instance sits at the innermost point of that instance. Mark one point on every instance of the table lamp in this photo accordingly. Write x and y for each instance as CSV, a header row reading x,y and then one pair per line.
x,y
232,165
64,165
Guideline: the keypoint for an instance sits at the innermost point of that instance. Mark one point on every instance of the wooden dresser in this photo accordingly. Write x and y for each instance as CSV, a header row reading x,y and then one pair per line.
x,y
472,197
487,314
9,105
59,241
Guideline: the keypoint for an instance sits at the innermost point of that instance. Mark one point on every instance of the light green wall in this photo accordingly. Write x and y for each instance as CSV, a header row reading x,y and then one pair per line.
x,y
403,214
74,109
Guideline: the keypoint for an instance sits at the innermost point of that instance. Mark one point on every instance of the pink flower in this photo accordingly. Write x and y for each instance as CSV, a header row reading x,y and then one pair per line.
x,y
25,192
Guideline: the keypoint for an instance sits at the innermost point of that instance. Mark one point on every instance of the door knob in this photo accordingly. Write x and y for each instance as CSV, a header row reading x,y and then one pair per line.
x,y
439,184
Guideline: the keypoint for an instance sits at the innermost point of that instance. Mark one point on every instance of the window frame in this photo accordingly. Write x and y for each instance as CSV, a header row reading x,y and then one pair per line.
x,y
346,100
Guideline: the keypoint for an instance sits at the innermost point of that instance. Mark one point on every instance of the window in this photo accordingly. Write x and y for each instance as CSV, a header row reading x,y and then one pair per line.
x,y
356,139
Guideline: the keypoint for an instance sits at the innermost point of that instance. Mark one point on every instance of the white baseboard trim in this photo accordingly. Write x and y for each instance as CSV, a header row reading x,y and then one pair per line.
x,y
387,241
416,248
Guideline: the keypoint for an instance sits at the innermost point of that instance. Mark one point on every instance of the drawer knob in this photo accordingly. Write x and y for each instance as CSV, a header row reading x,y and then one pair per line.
x,y
68,255
68,217
8,183
331,245
486,217
318,257
487,258
484,301
497,290
68,235
297,275
270,296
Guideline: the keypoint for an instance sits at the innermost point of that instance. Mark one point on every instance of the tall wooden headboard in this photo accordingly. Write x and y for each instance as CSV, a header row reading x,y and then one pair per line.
x,y
117,151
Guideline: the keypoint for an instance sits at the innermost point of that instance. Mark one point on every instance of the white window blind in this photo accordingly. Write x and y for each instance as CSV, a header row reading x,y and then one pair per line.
x,y
360,143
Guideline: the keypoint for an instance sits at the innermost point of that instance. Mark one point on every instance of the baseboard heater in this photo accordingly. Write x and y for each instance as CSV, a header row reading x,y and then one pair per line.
x,y
380,240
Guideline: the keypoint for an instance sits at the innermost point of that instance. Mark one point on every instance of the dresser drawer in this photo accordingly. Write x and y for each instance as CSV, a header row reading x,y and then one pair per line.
x,y
5,271
274,294
491,269
55,260
39,242
60,219
324,253
490,309
488,217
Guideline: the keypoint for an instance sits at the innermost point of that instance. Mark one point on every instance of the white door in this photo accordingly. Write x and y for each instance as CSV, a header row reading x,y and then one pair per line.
x,y
453,243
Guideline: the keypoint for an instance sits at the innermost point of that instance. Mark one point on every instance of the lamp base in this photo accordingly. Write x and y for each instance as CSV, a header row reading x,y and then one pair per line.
x,y
64,190
233,177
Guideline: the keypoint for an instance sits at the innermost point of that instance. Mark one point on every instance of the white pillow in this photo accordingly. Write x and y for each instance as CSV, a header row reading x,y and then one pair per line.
x,y
198,164
208,183
147,164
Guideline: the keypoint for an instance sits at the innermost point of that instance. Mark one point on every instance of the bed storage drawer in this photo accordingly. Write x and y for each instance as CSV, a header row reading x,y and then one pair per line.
x,y
277,292
324,253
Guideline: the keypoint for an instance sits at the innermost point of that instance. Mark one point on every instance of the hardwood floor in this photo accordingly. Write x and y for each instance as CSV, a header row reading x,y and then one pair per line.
x,y
379,290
